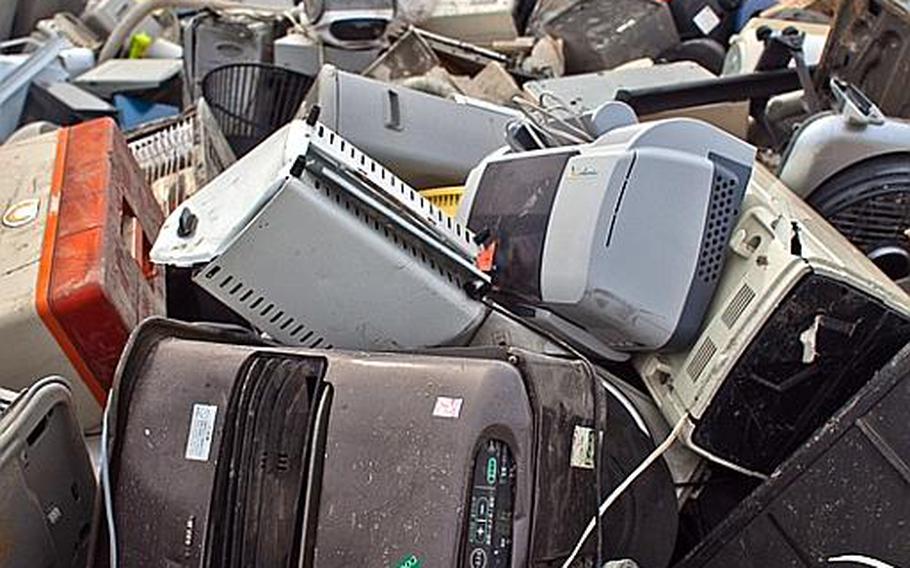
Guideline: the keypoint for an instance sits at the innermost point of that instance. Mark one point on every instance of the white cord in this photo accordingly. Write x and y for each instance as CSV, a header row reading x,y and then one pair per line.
x,y
106,490
727,464
621,488
860,559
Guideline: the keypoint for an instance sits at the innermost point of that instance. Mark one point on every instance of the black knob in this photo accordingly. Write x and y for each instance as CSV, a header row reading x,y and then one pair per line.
x,y
313,115
186,226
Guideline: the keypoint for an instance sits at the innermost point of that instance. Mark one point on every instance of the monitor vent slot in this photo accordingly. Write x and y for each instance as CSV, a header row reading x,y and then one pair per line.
x,y
737,306
701,359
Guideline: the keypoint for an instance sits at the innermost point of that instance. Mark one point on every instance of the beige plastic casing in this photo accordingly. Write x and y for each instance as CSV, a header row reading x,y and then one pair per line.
x,y
759,273
28,351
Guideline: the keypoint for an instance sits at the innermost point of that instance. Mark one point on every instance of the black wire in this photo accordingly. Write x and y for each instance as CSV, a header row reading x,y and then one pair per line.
x,y
595,414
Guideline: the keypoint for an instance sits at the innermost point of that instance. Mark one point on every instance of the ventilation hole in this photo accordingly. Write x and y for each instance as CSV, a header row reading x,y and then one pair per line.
x,y
246,295
342,145
307,336
226,281
316,343
276,317
286,323
213,272
236,288
701,359
256,303
266,309
296,330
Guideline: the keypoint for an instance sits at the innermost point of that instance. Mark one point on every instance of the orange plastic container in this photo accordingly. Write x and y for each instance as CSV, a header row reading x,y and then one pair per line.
x,y
74,244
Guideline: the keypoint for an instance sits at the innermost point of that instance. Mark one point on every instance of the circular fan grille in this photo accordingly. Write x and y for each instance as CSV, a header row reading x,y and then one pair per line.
x,y
869,203
870,222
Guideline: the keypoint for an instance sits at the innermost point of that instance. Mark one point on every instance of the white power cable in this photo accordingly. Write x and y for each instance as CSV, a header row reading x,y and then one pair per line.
x,y
106,490
727,464
621,488
860,559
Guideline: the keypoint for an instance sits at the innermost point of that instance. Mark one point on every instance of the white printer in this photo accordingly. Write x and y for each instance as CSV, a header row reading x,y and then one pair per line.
x,y
617,244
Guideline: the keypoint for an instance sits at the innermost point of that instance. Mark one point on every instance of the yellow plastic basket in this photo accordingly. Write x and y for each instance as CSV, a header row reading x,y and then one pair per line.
x,y
446,198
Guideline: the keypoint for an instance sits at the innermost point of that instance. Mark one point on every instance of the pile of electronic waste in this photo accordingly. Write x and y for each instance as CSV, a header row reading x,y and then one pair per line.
x,y
498,283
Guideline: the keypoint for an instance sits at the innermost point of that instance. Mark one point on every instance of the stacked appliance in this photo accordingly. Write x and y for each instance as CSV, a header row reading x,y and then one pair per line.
x,y
47,486
403,258
268,456
800,322
579,235
749,319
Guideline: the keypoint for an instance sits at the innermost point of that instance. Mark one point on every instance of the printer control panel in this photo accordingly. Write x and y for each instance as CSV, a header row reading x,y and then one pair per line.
x,y
489,537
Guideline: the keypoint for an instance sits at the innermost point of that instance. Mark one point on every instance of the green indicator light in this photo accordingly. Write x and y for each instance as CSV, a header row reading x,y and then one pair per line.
x,y
491,470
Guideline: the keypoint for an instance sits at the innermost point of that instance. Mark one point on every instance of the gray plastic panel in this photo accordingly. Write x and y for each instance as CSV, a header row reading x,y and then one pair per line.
x,y
387,291
47,487
426,140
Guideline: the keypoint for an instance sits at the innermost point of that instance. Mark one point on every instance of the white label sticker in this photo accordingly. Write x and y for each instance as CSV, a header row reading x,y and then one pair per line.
x,y
582,448
202,424
446,407
706,20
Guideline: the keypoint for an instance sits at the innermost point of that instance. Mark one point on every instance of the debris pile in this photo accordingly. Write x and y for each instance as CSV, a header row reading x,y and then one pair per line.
x,y
419,283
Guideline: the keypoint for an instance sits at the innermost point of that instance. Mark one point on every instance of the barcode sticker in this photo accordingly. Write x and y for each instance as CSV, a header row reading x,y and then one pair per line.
x,y
202,425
